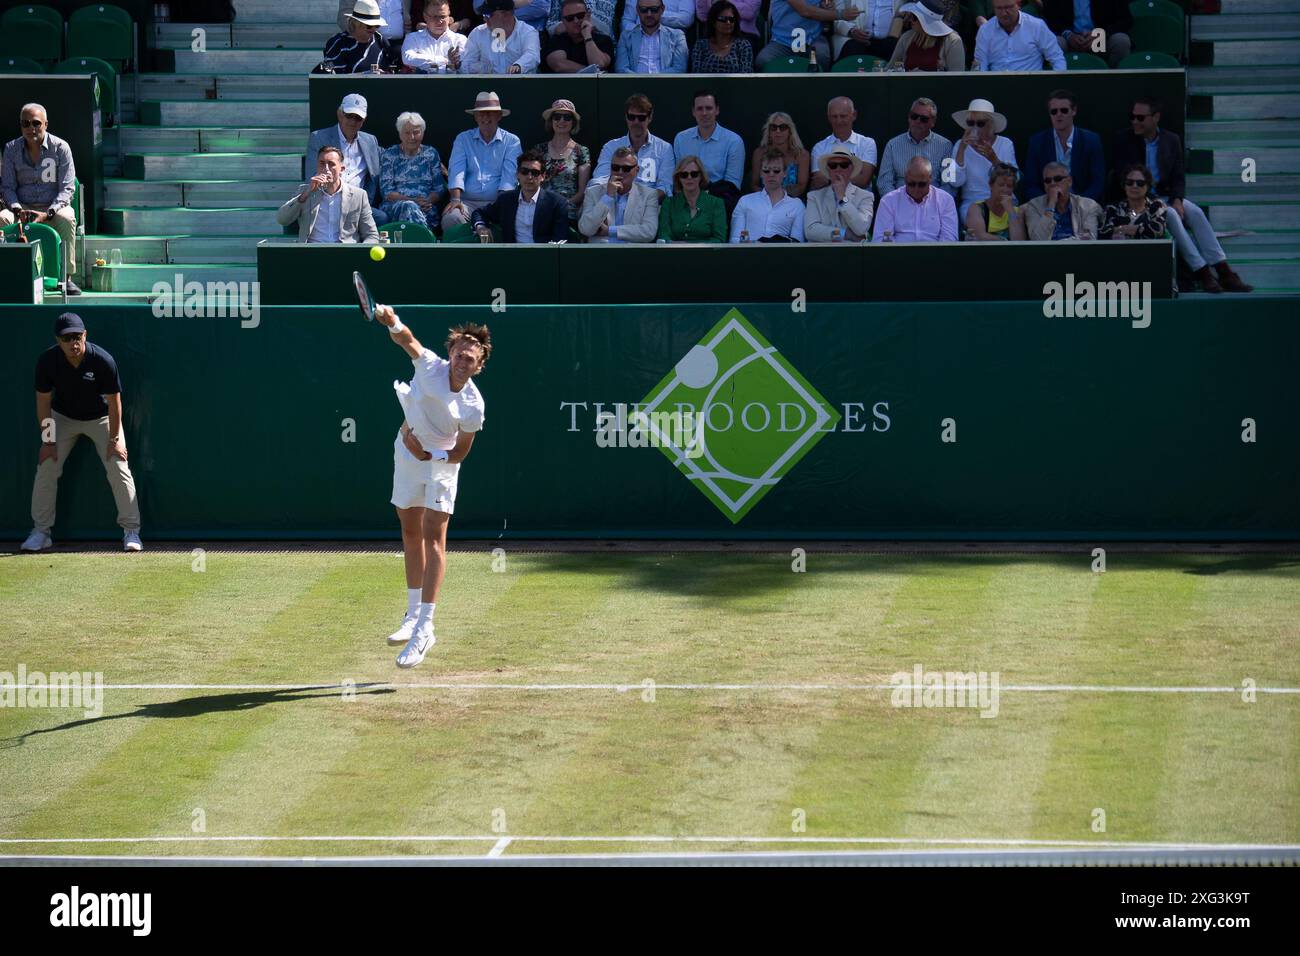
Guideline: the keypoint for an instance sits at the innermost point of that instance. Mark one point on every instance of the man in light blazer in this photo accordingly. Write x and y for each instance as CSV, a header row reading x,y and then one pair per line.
x,y
841,205
1061,213
620,209
360,150
670,41
327,209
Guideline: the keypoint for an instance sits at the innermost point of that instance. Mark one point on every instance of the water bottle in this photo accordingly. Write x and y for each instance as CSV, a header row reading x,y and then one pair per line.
x,y
837,234
889,236
744,235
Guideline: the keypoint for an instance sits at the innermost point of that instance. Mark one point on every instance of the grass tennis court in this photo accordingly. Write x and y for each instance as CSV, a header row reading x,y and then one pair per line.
x,y
404,760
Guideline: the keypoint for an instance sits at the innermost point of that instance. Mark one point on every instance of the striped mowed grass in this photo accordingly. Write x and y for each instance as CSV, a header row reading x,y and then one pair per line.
x,y
399,760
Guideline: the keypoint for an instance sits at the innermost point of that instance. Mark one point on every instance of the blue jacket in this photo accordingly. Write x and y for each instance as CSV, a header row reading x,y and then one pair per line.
x,y
550,223
320,138
672,51
1087,164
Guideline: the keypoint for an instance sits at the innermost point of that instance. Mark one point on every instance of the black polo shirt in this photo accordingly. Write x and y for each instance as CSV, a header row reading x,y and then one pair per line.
x,y
78,392
577,52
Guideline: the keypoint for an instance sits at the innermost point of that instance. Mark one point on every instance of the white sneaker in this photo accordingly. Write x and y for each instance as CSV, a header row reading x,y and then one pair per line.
x,y
405,632
131,541
416,648
38,541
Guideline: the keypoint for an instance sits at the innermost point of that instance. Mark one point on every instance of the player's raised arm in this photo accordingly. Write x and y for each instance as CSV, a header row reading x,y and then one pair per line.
x,y
403,336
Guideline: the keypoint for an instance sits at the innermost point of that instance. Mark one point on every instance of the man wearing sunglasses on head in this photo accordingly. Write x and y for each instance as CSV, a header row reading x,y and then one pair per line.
x,y
921,139
579,46
650,46
654,155
78,393
36,182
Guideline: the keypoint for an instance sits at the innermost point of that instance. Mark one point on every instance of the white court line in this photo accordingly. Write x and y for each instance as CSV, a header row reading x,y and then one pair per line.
x,y
625,688
497,839
499,847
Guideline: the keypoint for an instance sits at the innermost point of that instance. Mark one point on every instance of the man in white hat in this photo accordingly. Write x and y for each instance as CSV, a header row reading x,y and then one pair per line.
x,y
360,48
396,16
1015,42
360,151
921,139
483,161
501,44
840,211
976,152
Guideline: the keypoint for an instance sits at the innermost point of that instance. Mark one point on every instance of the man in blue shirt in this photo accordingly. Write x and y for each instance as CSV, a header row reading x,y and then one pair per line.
x,y
78,393
720,151
798,28
37,182
1075,21
1015,42
482,163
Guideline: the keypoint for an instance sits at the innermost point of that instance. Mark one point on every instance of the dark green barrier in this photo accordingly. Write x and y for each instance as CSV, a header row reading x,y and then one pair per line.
x,y
470,274
74,116
1065,428
19,276
1105,100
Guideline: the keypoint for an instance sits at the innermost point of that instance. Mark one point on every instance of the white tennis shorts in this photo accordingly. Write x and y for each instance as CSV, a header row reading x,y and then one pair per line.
x,y
422,484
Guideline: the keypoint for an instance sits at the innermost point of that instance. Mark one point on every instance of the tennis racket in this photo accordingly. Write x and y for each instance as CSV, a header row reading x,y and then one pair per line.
x,y
364,298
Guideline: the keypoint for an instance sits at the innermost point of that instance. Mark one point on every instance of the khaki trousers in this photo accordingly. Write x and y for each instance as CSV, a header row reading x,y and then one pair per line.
x,y
45,491
64,223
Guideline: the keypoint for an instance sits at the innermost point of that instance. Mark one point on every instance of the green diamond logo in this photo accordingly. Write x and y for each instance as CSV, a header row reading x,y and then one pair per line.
x,y
750,416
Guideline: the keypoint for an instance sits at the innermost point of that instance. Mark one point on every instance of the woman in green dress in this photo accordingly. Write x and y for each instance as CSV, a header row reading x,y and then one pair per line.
x,y
691,214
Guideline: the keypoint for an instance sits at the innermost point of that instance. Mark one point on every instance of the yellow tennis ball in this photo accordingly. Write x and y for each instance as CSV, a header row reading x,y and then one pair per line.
x,y
377,253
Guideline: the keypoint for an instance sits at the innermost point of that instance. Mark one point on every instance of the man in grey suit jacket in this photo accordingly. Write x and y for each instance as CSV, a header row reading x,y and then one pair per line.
x,y
327,209
670,42
360,150
620,209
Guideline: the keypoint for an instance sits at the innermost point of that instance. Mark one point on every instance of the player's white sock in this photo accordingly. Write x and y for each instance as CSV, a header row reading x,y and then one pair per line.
x,y
424,620
412,600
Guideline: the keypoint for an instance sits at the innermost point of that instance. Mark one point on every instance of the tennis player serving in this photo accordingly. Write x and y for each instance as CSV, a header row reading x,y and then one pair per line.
x,y
443,412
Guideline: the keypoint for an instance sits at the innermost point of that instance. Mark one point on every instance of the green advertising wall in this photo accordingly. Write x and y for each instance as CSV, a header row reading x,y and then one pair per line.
x,y
1066,428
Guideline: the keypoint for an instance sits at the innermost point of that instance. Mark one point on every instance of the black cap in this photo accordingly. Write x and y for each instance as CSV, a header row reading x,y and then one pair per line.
x,y
68,322
492,6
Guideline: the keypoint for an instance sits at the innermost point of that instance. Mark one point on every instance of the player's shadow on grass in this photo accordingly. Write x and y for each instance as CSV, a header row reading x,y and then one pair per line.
x,y
1248,564
206,704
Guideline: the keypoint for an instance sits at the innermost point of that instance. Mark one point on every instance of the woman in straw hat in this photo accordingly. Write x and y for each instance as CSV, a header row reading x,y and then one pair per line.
x,y
927,44
979,149
568,162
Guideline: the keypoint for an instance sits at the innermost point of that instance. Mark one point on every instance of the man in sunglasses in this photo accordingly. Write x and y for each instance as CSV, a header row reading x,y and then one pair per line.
x,y
840,211
579,46
78,393
36,183
620,209
921,139
650,46
916,211
529,213
360,151
1079,149
1060,213
678,14
1015,42
654,155
1162,153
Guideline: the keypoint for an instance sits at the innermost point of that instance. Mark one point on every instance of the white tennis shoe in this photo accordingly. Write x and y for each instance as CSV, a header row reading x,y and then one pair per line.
x,y
405,632
416,648
131,541
38,541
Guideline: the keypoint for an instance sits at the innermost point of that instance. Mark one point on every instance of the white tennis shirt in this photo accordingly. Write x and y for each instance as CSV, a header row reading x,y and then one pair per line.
x,y
435,413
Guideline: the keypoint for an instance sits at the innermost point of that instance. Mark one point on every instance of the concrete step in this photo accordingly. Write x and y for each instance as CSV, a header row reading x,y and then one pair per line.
x,y
208,86
1253,26
181,36
89,297
1259,52
199,139
214,166
1257,106
245,61
1263,245
1269,276
1208,134
223,113
298,35
1225,216
1227,188
274,11
191,222
1268,160
176,249
141,277
1203,80
231,194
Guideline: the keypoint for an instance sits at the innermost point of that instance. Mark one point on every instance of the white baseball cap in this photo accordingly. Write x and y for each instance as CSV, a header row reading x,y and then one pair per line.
x,y
354,103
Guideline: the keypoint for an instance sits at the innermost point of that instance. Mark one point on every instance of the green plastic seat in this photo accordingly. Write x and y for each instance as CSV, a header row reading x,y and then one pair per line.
x,y
104,31
32,31
1159,34
19,64
1149,61
410,231
107,81
787,64
1156,8
51,249
1085,61
856,64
